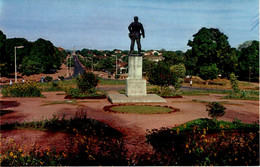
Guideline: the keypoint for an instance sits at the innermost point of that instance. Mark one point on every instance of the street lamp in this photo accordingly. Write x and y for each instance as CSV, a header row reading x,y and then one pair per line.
x,y
116,64
15,68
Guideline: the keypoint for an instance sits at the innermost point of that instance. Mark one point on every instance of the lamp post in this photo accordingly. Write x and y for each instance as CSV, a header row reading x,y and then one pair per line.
x,y
15,68
116,64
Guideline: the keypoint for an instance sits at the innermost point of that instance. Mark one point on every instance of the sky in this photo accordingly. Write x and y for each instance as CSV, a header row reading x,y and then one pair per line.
x,y
103,24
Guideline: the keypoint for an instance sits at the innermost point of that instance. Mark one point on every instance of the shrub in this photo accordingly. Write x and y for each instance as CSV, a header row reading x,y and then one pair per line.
x,y
117,76
204,145
61,78
48,78
234,82
215,109
245,95
72,91
86,81
28,89
55,84
178,71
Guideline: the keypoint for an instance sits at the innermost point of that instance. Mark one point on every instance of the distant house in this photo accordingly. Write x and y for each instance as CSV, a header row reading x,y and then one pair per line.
x,y
61,49
153,55
118,51
121,66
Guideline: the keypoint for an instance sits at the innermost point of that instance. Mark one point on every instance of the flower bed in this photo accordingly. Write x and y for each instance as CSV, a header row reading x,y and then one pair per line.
x,y
206,143
28,89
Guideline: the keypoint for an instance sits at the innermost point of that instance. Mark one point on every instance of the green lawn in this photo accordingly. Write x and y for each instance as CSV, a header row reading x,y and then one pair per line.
x,y
141,109
111,82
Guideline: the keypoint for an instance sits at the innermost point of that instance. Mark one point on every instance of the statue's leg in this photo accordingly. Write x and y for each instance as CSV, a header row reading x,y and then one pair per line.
x,y
138,45
132,45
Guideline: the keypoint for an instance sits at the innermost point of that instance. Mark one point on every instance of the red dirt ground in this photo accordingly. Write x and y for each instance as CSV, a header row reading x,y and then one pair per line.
x,y
133,126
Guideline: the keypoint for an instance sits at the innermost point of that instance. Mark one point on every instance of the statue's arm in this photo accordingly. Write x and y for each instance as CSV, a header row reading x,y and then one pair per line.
x,y
129,28
142,30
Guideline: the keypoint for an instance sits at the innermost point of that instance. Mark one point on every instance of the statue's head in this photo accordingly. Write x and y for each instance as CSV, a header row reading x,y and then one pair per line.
x,y
135,18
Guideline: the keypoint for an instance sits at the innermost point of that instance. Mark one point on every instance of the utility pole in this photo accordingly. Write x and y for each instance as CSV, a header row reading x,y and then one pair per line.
x,y
15,68
116,64
67,66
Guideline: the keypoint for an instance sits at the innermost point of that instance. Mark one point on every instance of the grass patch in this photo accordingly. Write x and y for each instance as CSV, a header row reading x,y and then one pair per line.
x,y
136,109
211,125
243,95
103,81
222,102
194,93
92,93
122,91
57,86
72,102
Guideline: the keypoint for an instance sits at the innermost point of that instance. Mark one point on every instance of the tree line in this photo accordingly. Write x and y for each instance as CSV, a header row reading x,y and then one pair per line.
x,y
209,56
36,57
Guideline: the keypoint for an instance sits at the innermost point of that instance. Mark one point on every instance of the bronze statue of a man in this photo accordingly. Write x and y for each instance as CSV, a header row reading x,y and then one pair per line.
x,y
135,35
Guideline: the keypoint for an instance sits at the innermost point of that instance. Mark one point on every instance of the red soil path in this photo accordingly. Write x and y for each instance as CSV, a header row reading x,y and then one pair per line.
x,y
133,126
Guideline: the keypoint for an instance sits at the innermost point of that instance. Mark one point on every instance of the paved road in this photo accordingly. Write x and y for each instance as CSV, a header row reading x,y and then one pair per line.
x,y
77,67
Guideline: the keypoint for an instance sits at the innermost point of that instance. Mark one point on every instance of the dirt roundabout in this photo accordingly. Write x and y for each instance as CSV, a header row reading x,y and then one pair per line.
x,y
133,126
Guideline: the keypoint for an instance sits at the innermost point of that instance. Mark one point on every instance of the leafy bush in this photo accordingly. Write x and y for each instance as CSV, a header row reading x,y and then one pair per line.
x,y
208,72
215,109
72,91
48,78
28,89
117,76
178,71
87,81
61,78
234,82
245,95
161,75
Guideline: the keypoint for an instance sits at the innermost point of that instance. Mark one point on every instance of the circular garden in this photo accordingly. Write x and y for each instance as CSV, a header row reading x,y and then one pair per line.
x,y
140,109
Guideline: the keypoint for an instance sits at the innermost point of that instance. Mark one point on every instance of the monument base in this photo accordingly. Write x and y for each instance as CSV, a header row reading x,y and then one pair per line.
x,y
122,98
135,87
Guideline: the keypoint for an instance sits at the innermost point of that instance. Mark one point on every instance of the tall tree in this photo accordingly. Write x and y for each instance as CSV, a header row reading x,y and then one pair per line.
x,y
20,53
172,58
44,57
3,59
249,62
210,46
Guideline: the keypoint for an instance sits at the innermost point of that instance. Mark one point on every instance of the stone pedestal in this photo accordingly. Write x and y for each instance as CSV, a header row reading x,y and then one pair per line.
x,y
135,87
135,84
